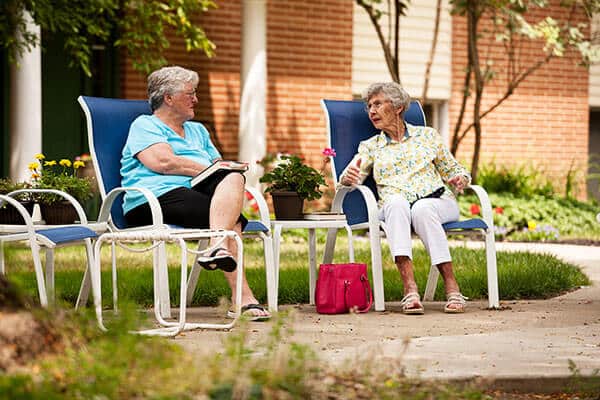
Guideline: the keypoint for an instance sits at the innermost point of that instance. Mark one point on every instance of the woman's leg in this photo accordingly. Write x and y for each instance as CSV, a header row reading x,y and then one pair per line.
x,y
225,208
396,214
428,215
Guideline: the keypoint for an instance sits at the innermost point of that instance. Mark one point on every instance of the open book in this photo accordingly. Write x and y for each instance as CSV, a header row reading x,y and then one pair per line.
x,y
221,165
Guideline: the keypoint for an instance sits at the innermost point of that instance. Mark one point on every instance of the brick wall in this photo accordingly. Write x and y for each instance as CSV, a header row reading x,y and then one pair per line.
x,y
219,86
545,121
309,47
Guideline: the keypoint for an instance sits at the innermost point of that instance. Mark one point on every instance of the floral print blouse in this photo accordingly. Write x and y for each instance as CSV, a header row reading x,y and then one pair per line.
x,y
415,167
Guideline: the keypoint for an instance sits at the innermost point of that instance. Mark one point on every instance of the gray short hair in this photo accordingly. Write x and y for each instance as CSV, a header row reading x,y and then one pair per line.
x,y
392,91
168,80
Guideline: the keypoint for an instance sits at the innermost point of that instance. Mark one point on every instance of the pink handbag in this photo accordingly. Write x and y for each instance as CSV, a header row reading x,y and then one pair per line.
x,y
342,288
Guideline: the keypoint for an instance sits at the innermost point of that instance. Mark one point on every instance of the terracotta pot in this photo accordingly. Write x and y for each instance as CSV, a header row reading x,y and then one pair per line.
x,y
287,205
10,216
60,213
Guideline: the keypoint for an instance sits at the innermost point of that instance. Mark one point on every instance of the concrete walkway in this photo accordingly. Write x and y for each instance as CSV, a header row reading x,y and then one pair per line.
x,y
526,343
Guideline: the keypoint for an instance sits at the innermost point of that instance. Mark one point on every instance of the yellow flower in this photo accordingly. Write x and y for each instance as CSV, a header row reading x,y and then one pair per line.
x,y
49,163
33,166
39,156
531,225
65,163
78,164
35,176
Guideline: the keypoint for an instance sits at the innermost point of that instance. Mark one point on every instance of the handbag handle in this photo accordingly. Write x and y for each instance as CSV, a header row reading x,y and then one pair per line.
x,y
368,294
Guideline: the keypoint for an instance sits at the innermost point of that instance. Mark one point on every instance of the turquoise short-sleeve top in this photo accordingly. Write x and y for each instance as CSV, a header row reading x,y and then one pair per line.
x,y
147,130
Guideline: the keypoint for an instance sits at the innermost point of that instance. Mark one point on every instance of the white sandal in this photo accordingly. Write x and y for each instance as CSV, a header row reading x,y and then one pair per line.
x,y
455,299
408,303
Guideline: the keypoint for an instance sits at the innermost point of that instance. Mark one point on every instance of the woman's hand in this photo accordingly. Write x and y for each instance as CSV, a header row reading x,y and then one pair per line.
x,y
459,182
352,175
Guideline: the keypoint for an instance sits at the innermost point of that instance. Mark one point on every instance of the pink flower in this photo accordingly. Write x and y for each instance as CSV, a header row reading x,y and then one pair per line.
x,y
475,209
329,152
499,210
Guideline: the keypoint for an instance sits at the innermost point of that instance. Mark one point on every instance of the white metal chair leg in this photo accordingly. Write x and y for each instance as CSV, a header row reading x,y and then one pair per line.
x,y
96,286
492,270
113,275
158,240
155,278
163,276
350,244
192,281
270,271
312,264
330,246
2,268
39,273
50,274
86,282
432,279
377,268
276,262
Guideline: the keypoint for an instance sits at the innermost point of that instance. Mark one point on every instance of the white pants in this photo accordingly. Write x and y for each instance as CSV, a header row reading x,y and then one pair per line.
x,y
426,217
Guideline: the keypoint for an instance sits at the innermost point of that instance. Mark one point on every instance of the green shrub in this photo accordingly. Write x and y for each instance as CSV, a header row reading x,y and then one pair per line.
x,y
519,180
536,217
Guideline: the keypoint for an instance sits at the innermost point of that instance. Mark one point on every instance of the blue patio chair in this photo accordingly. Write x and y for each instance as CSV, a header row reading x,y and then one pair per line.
x,y
108,122
42,236
347,125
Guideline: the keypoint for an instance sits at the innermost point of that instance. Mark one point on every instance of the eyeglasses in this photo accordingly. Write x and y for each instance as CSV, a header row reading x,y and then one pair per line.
x,y
191,94
376,104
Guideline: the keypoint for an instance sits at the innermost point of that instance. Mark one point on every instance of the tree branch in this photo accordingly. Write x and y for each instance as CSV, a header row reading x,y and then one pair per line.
x,y
384,45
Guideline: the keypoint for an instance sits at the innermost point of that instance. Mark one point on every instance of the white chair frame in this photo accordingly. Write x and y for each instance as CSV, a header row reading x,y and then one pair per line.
x,y
28,232
374,225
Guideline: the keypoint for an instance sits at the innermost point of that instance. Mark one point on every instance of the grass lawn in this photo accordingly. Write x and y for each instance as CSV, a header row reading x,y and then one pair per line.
x,y
521,275
87,363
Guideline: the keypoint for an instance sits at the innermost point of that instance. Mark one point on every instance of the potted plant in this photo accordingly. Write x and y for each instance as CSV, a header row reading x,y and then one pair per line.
x,y
61,175
9,214
291,182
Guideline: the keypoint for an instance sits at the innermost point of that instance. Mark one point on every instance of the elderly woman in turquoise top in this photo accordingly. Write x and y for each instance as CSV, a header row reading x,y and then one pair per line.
x,y
414,171
163,151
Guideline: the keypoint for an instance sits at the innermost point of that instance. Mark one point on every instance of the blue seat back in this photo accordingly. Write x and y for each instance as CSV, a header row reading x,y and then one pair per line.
x,y
108,122
348,124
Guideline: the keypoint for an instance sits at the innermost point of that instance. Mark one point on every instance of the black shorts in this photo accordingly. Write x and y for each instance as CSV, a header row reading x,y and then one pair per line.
x,y
188,208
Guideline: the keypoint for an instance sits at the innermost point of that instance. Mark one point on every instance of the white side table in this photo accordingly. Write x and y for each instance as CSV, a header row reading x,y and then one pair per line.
x,y
311,225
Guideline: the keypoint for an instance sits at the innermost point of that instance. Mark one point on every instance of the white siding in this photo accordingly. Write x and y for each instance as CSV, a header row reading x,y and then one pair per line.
x,y
416,34
595,69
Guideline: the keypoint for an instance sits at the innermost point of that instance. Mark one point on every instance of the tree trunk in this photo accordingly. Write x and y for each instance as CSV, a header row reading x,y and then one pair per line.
x,y
473,15
436,29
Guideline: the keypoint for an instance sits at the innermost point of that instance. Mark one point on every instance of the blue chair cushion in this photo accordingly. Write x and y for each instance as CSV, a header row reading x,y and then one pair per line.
x,y
256,226
67,234
468,224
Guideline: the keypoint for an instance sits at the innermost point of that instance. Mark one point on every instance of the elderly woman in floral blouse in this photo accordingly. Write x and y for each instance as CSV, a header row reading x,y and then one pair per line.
x,y
413,170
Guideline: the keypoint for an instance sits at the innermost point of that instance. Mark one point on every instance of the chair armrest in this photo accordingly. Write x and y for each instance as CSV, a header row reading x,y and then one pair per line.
x,y
157,218
14,203
263,208
368,196
486,205
66,196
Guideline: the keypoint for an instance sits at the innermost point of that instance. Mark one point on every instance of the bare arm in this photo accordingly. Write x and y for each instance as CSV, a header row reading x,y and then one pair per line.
x,y
160,158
